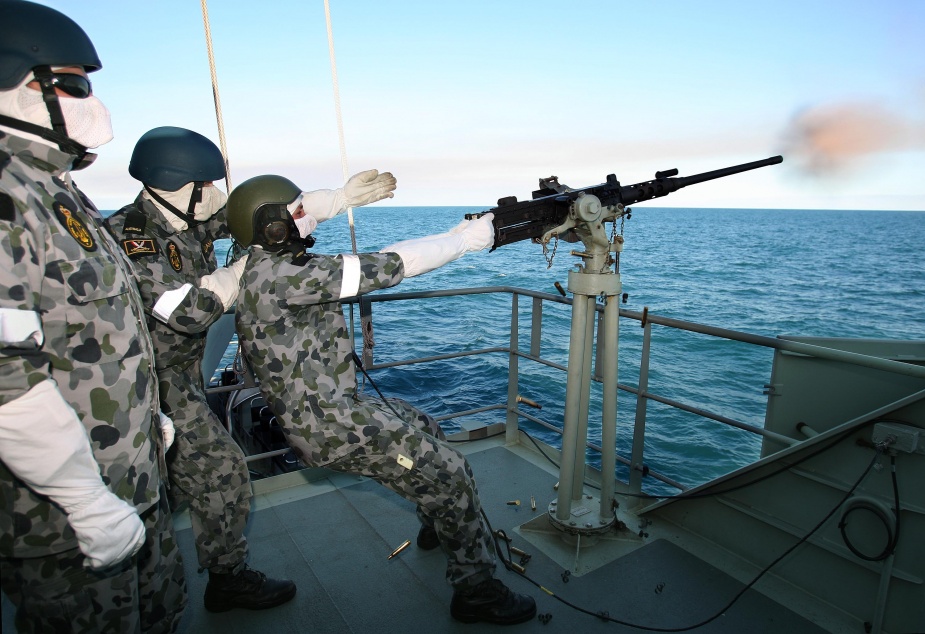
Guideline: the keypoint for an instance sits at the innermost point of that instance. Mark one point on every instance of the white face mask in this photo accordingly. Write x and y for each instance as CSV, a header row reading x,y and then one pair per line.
x,y
306,224
213,199
87,120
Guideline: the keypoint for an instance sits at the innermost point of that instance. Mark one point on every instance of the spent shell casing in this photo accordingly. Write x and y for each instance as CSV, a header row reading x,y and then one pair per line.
x,y
403,546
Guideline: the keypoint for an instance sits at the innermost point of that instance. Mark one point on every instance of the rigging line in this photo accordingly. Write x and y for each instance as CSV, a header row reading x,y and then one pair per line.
x,y
215,95
367,337
340,119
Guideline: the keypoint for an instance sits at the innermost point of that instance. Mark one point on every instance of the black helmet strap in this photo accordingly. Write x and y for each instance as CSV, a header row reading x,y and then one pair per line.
x,y
194,198
44,75
68,145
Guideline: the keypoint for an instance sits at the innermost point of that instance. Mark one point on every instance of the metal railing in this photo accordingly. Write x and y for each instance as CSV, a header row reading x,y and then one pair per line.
x,y
515,353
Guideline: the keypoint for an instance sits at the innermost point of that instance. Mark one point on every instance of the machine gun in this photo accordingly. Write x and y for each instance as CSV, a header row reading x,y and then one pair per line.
x,y
553,204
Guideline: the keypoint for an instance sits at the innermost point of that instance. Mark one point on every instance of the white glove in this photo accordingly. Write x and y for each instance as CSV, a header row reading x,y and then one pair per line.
x,y
44,444
360,189
168,431
108,530
368,187
238,266
224,283
422,255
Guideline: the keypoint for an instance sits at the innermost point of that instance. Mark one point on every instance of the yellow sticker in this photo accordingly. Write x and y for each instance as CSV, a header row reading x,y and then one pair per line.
x,y
405,461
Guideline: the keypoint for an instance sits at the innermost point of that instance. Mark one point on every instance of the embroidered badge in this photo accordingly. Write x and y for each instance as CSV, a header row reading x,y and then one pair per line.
x,y
207,247
75,227
138,248
173,256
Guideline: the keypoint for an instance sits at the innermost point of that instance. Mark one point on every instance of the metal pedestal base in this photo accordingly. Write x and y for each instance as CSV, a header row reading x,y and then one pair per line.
x,y
603,542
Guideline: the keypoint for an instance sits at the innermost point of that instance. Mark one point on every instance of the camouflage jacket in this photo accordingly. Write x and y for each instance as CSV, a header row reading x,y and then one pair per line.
x,y
57,261
295,338
166,260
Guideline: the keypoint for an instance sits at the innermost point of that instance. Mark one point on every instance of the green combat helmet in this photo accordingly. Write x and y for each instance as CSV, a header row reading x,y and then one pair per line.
x,y
257,214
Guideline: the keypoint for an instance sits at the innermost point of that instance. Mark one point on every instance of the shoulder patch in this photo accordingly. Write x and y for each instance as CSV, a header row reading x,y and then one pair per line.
x,y
173,256
75,227
139,247
135,221
7,209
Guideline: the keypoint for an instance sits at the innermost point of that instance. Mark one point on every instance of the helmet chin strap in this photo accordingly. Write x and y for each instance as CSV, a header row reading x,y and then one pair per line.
x,y
194,199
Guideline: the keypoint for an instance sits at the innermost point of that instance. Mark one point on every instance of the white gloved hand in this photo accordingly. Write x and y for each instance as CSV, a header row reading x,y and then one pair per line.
x,y
360,189
108,530
478,233
368,187
224,283
238,266
168,431
422,255
44,444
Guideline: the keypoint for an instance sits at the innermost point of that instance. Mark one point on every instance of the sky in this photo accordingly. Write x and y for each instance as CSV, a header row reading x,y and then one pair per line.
x,y
470,101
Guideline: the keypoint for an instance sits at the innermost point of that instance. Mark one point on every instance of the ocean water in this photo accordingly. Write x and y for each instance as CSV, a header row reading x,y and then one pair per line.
x,y
767,272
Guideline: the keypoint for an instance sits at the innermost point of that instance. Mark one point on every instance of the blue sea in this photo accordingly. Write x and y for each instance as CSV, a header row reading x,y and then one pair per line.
x,y
766,272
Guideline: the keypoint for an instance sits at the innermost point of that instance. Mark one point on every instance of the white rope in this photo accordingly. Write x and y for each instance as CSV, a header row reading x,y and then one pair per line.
x,y
340,121
215,96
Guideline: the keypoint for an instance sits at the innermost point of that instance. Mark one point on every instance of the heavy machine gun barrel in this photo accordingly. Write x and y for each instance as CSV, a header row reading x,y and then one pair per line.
x,y
529,219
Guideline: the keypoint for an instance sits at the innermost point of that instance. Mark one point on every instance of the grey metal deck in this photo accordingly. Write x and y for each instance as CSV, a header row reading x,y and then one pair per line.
x,y
333,537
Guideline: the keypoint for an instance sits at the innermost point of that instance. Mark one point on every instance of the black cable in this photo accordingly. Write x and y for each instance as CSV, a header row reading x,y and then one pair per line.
x,y
893,535
606,617
359,364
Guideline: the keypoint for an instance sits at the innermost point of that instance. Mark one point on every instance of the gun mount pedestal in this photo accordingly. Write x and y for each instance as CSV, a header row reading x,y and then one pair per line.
x,y
576,517
575,512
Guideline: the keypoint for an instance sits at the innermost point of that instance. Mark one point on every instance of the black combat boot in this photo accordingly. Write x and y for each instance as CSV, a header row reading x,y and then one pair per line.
x,y
248,589
427,538
491,601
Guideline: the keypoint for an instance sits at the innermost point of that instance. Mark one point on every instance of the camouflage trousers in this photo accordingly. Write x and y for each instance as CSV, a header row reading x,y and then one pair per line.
x,y
440,482
206,469
146,593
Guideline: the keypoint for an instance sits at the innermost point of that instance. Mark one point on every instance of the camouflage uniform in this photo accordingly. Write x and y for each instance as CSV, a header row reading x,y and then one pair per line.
x,y
205,464
57,261
294,336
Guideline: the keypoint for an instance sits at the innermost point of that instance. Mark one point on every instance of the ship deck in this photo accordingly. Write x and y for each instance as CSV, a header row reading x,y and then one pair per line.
x,y
332,534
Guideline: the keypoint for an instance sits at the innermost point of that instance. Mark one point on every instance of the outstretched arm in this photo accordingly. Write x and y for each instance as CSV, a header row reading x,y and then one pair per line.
x,y
361,189
422,255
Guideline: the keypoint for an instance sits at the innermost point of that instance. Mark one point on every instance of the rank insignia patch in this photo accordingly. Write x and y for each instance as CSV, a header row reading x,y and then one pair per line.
x,y
138,248
173,256
75,227
207,247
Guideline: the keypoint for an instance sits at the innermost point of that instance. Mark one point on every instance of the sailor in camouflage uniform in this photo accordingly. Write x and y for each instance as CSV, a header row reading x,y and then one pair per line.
x,y
169,234
87,541
295,338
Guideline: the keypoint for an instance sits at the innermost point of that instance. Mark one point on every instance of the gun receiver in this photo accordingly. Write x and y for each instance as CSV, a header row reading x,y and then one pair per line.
x,y
530,219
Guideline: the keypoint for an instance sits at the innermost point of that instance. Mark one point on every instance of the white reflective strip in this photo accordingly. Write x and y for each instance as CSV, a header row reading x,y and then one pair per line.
x,y
17,326
169,301
350,285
